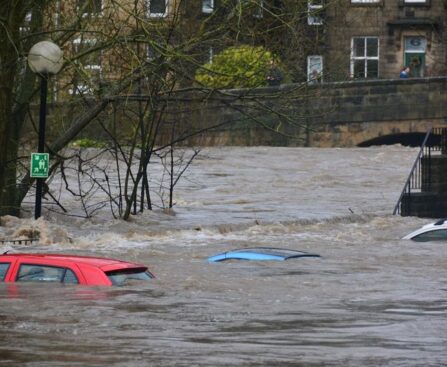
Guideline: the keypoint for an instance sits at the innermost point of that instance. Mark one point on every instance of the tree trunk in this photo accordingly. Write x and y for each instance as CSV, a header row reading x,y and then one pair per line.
x,y
8,144
16,90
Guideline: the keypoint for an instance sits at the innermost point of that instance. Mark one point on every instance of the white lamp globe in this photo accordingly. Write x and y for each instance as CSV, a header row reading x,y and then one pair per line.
x,y
45,57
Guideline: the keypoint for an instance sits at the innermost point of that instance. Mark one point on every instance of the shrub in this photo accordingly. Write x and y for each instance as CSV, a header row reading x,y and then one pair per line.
x,y
236,67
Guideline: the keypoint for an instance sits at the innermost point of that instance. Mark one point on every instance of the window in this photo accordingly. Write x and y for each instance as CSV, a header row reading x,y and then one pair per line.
x,y
210,55
26,26
44,273
314,12
3,270
365,1
314,69
258,12
90,7
157,8
254,7
439,235
415,1
121,277
364,57
207,6
89,67
151,53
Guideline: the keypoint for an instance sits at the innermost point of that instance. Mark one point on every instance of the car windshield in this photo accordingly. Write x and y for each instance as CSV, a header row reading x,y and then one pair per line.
x,y
121,277
271,251
437,235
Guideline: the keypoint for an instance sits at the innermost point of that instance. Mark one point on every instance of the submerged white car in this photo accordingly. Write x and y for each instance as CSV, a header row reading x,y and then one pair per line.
x,y
430,232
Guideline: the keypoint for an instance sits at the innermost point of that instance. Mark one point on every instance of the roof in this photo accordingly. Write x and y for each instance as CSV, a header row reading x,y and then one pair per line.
x,y
440,224
99,262
260,254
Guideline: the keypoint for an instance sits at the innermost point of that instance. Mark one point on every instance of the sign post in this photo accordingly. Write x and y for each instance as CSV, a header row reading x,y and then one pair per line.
x,y
44,58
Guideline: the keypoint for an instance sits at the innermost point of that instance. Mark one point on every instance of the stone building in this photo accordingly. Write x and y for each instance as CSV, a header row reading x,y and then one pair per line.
x,y
355,39
376,38
328,40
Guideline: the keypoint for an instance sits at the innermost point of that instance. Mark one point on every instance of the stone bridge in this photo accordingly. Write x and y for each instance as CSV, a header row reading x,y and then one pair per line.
x,y
334,115
357,113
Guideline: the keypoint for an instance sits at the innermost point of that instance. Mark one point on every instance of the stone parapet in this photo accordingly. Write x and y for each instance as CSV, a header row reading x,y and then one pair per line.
x,y
325,115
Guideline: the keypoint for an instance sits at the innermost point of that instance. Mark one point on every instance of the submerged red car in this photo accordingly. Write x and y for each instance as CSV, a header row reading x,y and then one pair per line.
x,y
70,269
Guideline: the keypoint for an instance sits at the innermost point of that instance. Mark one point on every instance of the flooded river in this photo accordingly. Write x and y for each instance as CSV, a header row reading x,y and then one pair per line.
x,y
372,299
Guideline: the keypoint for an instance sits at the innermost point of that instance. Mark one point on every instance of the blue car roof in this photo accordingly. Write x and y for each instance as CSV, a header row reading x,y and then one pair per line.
x,y
260,254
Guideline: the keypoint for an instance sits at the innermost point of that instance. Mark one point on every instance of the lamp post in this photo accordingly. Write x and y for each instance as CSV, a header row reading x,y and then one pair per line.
x,y
44,58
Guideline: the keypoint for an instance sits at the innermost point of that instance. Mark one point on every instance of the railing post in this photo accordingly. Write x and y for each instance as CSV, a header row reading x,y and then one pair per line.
x,y
414,179
443,140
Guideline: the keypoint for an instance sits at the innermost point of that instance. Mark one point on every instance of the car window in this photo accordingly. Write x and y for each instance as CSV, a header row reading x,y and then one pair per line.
x,y
70,277
43,273
3,270
437,235
120,277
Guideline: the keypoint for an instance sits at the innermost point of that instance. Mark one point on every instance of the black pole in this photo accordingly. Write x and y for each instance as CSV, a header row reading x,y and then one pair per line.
x,y
41,141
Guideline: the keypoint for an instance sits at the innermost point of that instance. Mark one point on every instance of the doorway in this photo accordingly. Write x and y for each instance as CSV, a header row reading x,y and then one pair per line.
x,y
414,55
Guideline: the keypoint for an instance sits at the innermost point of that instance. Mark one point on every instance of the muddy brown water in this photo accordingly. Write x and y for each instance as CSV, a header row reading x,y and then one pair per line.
x,y
372,299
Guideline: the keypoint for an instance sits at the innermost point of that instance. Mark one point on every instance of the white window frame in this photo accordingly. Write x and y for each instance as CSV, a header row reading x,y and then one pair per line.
x,y
82,87
311,8
259,12
26,24
415,1
311,67
365,1
207,6
98,14
365,57
157,15
210,54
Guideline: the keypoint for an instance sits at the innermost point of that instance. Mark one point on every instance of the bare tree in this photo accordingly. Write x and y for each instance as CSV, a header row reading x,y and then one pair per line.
x,y
127,64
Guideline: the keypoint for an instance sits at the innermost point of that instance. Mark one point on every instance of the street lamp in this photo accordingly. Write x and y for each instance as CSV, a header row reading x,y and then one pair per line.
x,y
44,58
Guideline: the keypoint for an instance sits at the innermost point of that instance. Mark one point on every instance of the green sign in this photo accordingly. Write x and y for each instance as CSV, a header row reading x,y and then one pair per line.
x,y
39,165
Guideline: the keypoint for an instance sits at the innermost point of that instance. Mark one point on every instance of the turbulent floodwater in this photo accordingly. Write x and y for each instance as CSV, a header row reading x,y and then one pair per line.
x,y
372,299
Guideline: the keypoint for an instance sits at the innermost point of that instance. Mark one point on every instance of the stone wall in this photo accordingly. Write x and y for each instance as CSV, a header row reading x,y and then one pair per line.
x,y
336,114
326,115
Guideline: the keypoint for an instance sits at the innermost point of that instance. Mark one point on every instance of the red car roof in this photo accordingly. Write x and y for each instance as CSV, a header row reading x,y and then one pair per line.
x,y
100,262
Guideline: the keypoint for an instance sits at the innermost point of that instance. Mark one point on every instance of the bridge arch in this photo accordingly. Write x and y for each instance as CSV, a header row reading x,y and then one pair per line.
x,y
410,139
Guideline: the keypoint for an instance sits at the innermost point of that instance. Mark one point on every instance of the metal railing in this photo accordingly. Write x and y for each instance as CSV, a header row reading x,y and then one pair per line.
x,y
435,140
27,241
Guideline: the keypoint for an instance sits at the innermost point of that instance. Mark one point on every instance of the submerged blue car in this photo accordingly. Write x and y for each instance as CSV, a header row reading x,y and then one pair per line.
x,y
260,254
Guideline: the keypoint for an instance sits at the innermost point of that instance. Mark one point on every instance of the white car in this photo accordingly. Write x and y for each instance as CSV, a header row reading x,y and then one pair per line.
x,y
430,232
